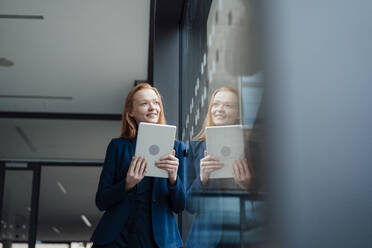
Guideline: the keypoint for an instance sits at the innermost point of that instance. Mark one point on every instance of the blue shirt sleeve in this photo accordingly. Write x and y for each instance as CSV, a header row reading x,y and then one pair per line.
x,y
109,192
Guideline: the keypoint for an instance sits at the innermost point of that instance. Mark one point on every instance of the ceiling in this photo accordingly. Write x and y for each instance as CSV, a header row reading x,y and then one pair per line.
x,y
77,57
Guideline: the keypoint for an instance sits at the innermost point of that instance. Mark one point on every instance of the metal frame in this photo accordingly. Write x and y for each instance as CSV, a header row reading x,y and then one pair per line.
x,y
34,204
63,116
34,197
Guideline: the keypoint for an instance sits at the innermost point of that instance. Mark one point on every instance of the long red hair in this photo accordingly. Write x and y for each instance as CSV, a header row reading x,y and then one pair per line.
x,y
129,124
208,122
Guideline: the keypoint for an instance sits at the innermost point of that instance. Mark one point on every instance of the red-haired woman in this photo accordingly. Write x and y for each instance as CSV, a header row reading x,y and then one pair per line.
x,y
207,227
138,209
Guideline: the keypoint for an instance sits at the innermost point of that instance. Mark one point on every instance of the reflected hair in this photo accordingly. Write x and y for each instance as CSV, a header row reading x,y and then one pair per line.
x,y
129,124
208,122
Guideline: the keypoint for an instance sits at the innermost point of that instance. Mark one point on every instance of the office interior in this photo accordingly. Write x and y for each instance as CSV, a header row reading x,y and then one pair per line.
x,y
302,71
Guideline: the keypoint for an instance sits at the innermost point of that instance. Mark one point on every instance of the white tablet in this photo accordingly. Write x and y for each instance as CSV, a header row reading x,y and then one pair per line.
x,y
226,143
153,142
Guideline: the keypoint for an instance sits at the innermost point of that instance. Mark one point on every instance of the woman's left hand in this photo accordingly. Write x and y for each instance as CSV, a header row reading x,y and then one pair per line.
x,y
243,173
169,163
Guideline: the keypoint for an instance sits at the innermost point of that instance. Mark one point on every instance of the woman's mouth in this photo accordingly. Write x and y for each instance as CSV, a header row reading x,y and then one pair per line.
x,y
152,115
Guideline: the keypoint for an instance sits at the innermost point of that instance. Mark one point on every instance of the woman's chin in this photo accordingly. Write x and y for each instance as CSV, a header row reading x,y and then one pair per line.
x,y
153,120
219,122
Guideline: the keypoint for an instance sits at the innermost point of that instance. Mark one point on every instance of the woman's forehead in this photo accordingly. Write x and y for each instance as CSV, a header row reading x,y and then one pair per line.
x,y
225,96
145,94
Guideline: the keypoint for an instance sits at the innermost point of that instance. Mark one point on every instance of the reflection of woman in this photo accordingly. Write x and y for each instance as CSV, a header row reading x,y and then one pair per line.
x,y
207,227
138,209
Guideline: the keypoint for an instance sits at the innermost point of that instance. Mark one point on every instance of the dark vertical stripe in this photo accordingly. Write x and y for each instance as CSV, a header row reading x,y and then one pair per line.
x,y
150,68
2,184
34,205
180,121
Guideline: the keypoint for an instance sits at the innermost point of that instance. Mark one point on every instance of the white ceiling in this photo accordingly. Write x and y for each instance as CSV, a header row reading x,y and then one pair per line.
x,y
83,57
89,51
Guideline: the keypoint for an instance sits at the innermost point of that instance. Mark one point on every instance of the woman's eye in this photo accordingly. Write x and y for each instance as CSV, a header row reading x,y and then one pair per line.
x,y
157,102
144,103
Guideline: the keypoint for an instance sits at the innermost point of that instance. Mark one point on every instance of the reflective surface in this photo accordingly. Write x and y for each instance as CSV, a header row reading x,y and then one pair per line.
x,y
223,82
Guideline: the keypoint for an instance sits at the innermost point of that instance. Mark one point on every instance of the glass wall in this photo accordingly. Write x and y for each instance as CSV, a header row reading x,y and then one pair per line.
x,y
223,86
67,211
63,202
16,208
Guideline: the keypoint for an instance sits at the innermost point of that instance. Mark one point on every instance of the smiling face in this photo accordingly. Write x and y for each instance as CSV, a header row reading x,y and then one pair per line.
x,y
225,109
146,106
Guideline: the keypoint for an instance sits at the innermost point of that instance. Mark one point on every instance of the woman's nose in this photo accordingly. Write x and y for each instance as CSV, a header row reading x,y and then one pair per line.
x,y
220,107
151,106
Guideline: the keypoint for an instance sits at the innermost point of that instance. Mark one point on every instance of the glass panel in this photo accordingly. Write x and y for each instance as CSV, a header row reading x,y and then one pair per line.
x,y
67,210
222,85
16,206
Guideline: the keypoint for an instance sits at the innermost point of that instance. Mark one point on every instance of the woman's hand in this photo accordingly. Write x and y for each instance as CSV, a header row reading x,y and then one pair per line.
x,y
243,173
169,163
208,164
136,172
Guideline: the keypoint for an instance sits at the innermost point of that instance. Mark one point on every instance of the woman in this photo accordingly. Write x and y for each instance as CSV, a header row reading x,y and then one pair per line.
x,y
138,209
207,227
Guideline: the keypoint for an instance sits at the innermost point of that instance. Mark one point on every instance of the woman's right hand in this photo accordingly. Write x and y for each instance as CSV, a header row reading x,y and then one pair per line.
x,y
136,172
208,164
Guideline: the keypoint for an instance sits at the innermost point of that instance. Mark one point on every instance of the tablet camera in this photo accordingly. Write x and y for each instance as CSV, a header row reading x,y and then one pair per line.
x,y
225,151
154,150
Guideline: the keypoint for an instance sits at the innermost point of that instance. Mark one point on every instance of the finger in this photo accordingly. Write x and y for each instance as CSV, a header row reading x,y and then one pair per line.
x,y
210,170
239,169
137,166
167,157
238,176
143,167
210,158
209,163
132,164
169,168
174,158
166,166
214,167
244,167
173,152
170,162
233,166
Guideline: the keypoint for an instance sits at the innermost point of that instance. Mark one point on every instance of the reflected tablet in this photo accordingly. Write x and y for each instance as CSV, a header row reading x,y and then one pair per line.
x,y
226,143
153,142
